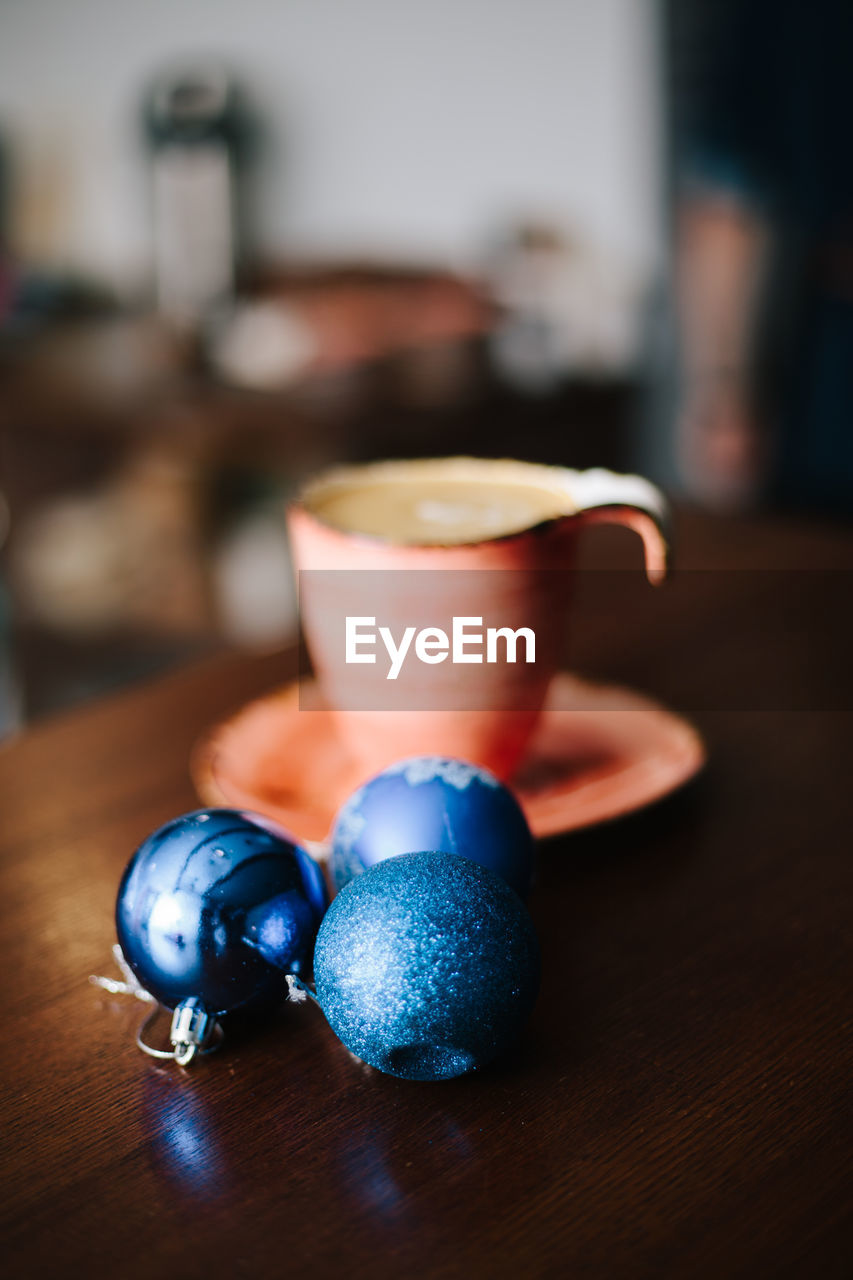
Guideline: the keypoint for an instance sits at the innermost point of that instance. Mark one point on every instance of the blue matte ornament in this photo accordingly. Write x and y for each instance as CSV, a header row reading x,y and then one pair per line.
x,y
214,909
432,802
427,965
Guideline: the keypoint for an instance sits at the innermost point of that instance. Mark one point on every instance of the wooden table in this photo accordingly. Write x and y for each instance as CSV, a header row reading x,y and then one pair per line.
x,y
680,1105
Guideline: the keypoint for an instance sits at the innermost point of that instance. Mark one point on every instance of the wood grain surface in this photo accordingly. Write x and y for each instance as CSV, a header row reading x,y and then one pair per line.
x,y
680,1105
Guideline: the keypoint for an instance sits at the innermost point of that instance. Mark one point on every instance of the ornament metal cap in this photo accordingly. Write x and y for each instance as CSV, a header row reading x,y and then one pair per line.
x,y
193,1031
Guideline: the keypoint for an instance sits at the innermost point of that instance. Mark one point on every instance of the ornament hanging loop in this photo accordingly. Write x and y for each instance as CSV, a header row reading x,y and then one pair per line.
x,y
193,1033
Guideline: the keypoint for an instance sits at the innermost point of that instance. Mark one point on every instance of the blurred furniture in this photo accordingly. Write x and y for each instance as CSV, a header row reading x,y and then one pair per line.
x,y
129,456
680,1102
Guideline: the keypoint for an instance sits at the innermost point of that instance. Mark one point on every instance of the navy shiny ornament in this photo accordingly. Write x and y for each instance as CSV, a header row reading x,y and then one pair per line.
x,y
432,802
214,908
427,965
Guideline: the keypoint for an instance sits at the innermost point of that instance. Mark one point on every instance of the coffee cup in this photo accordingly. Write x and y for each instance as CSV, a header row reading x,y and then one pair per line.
x,y
435,596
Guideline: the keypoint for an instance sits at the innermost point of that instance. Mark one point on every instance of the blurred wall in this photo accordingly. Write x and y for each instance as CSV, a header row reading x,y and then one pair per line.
x,y
394,127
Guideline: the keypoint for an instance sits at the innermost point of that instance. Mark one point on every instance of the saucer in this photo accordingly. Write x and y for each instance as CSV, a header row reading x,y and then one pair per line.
x,y
598,752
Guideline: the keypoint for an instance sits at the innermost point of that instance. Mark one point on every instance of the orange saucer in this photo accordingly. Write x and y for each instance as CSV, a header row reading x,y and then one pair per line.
x,y
598,752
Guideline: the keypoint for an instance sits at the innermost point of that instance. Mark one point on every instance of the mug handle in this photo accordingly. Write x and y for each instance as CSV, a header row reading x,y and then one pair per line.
x,y
604,497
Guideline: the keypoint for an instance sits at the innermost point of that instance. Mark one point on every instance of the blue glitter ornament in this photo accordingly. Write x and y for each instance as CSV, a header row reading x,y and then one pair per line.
x,y
431,802
214,908
427,965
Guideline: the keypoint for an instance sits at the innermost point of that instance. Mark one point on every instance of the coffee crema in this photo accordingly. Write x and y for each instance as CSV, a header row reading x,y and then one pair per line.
x,y
439,501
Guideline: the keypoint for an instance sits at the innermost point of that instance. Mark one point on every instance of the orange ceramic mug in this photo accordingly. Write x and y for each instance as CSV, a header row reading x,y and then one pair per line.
x,y
398,561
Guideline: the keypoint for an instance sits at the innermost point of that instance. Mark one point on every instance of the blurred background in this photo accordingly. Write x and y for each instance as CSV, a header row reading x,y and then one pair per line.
x,y
239,242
